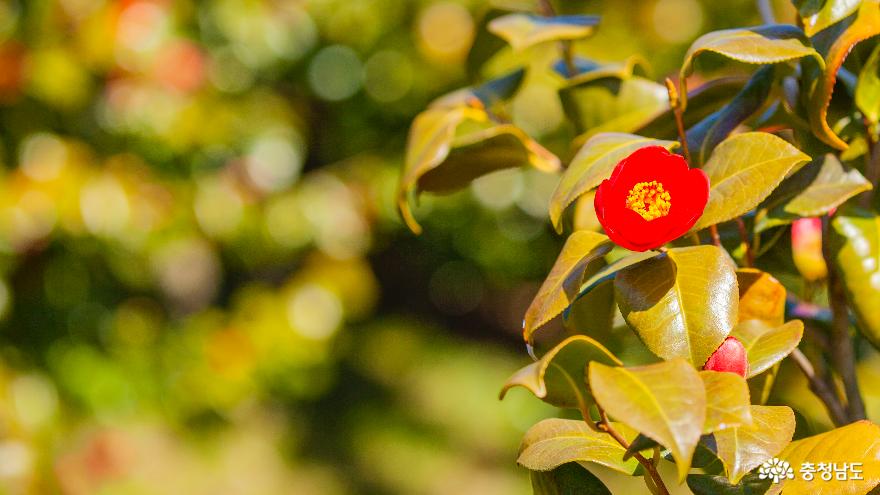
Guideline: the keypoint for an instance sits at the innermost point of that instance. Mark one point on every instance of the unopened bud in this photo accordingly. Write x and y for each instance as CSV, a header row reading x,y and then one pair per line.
x,y
730,356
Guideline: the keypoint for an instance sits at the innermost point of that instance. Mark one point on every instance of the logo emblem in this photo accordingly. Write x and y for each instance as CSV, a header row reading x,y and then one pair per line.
x,y
776,470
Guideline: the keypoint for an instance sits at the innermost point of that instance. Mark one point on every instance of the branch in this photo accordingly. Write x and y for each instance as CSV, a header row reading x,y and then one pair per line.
x,y
821,389
649,466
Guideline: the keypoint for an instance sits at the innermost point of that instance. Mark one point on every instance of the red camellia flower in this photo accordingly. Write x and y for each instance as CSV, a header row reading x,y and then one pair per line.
x,y
730,356
651,198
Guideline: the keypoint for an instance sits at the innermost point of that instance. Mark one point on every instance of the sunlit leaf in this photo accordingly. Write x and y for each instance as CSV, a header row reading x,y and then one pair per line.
x,y
744,448
727,401
702,102
586,70
767,44
613,105
592,313
743,170
761,297
610,271
486,94
708,484
705,136
554,442
561,286
525,30
765,344
682,304
592,164
558,378
567,479
862,25
856,442
831,12
450,147
868,87
665,401
855,248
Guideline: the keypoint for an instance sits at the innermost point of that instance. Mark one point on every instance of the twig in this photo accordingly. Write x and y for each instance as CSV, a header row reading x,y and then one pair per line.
x,y
716,238
675,104
605,425
744,235
872,167
842,353
821,389
766,11
547,10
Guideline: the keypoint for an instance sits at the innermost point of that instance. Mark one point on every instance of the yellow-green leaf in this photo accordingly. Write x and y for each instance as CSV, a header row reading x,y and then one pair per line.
x,y
727,401
761,297
560,288
743,170
664,401
765,344
554,442
682,304
744,448
559,377
856,442
864,24
754,45
609,105
855,248
592,164
828,13
524,30
610,271
868,87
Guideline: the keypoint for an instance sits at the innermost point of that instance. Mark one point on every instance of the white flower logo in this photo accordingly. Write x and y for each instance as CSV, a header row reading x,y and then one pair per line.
x,y
776,470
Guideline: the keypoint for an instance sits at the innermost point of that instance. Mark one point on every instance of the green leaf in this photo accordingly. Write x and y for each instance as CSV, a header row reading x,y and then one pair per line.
x,y
561,286
746,447
554,442
761,297
593,163
593,313
743,170
558,378
702,102
640,443
766,345
484,95
706,135
665,401
708,484
567,479
856,442
524,30
610,271
727,401
855,248
833,11
612,105
864,24
868,87
682,304
767,44
587,70
449,147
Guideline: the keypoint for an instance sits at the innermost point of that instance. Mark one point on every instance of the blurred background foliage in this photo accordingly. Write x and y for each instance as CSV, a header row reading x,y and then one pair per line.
x,y
205,287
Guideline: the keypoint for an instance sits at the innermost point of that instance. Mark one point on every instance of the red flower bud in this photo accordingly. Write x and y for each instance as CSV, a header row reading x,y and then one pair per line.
x,y
730,356
651,198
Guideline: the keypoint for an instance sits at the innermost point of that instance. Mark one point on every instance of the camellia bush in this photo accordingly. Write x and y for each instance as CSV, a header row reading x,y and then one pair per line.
x,y
678,203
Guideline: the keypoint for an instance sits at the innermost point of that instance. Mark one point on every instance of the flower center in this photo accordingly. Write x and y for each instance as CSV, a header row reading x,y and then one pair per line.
x,y
649,199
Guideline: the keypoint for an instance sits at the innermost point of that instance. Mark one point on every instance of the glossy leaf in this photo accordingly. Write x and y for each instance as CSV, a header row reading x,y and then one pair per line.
x,y
486,94
727,401
755,45
587,70
831,12
558,378
765,344
761,297
554,442
592,164
665,401
743,170
856,442
592,313
613,105
525,30
610,271
744,448
855,248
450,147
708,484
683,304
567,479
706,135
864,24
868,88
561,286
703,101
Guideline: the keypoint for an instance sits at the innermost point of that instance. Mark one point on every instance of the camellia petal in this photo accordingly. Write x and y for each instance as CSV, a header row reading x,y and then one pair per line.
x,y
651,198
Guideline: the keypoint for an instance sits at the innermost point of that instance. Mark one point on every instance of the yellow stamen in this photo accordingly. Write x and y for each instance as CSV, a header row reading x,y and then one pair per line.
x,y
649,200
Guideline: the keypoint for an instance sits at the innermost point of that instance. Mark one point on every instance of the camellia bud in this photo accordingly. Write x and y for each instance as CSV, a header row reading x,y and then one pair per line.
x,y
730,356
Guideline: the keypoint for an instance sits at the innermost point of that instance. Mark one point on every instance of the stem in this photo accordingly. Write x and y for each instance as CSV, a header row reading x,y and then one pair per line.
x,y
547,10
872,167
675,103
744,235
842,352
605,425
716,238
821,389
766,11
